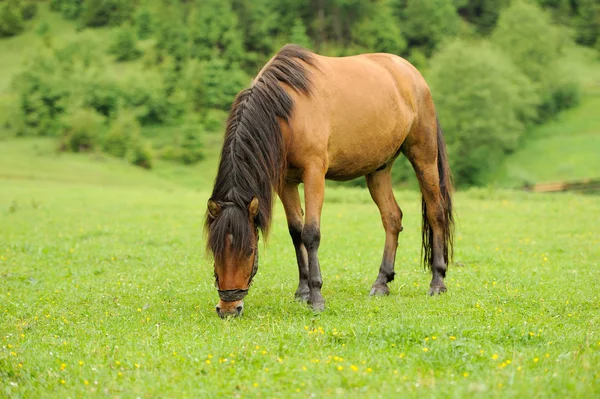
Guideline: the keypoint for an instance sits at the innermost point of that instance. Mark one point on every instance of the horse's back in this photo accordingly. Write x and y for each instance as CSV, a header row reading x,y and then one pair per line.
x,y
361,110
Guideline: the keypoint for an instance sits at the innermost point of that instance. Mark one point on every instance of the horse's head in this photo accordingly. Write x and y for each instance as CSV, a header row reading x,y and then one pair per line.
x,y
233,239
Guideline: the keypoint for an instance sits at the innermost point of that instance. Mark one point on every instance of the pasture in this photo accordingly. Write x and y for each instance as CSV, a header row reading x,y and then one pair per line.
x,y
105,291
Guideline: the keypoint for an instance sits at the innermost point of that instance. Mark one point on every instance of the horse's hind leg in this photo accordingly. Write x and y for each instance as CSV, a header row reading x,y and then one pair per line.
x,y
428,157
380,187
293,212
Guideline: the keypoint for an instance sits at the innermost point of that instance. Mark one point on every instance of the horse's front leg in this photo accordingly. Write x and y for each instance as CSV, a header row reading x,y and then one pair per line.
x,y
293,213
314,191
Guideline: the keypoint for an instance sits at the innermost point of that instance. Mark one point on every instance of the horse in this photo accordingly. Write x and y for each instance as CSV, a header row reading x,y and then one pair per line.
x,y
307,118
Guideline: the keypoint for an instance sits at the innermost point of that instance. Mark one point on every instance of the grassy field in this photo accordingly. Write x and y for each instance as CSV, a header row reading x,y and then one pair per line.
x,y
105,291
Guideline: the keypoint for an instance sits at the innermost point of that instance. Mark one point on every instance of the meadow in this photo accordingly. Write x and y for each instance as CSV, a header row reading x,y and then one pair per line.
x,y
106,291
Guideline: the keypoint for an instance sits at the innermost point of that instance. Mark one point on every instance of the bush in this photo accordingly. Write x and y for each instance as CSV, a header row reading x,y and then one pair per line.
x,y
11,21
96,13
144,23
70,9
123,131
527,36
221,84
427,22
587,23
484,105
81,130
379,31
124,46
140,153
298,34
29,11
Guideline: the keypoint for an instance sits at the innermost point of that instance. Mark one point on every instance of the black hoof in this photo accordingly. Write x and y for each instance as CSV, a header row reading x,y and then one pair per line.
x,y
437,289
301,296
380,290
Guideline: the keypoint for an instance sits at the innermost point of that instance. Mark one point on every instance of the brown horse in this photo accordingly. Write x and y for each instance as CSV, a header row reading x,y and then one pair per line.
x,y
307,118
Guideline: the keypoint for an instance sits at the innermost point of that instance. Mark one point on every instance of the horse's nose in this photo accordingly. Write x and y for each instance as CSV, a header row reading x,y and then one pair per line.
x,y
228,311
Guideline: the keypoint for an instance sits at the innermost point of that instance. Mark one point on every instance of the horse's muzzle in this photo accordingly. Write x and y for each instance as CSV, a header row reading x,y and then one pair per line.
x,y
230,309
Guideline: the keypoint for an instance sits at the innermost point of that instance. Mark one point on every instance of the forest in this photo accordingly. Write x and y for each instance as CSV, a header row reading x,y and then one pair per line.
x,y
496,67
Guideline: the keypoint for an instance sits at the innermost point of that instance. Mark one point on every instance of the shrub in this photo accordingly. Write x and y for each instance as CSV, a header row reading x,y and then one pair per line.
x,y
123,131
144,23
379,31
221,83
95,13
484,105
427,22
298,34
527,36
11,21
29,11
124,46
140,153
81,130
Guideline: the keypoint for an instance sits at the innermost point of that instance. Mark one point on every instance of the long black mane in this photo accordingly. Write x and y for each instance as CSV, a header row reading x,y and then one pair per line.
x,y
253,159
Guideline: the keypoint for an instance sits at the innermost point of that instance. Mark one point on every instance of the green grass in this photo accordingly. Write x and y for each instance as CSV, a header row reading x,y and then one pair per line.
x,y
105,291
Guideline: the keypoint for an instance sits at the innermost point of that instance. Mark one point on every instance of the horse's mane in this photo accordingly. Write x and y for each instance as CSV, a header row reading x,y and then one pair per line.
x,y
253,158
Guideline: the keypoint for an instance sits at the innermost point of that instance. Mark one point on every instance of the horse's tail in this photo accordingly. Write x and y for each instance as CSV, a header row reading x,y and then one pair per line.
x,y
447,221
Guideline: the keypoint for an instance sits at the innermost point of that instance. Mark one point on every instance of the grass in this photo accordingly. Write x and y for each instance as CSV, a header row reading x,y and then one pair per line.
x,y
105,291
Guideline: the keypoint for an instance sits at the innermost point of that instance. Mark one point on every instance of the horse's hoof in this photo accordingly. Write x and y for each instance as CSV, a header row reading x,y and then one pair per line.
x,y
437,289
301,296
380,290
317,306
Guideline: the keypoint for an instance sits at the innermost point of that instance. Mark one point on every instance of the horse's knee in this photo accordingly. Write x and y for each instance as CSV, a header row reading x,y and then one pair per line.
x,y
311,237
393,223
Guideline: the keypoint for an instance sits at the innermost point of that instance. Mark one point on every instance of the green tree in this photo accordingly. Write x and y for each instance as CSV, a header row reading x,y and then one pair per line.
x,y
124,46
11,21
588,22
527,36
172,34
221,83
144,22
484,105
427,22
81,130
96,13
214,32
379,31
298,34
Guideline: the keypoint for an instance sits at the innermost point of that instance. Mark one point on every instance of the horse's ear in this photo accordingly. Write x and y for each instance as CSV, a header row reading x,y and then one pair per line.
x,y
253,208
214,209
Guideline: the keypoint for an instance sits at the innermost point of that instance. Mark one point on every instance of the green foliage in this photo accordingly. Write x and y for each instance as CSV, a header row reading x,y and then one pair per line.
x,y
588,22
188,149
379,31
11,21
124,46
214,32
427,22
140,153
298,34
482,13
29,11
172,34
527,36
95,13
123,131
221,83
484,104
144,22
81,130
70,9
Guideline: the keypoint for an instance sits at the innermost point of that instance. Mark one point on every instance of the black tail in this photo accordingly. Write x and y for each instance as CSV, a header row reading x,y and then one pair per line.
x,y
446,198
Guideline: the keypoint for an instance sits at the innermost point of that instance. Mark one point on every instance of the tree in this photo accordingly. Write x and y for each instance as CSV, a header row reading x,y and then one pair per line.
x,y
144,22
528,37
214,32
484,104
298,34
588,22
124,46
11,21
379,31
427,22
95,13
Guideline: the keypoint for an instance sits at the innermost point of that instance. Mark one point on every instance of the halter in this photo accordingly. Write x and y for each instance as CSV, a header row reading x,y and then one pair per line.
x,y
238,294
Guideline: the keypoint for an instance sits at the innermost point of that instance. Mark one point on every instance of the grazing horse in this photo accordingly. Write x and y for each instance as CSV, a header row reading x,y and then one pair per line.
x,y
307,118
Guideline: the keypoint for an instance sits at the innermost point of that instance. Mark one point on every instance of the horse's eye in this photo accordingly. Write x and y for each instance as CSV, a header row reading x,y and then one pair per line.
x,y
249,252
